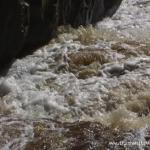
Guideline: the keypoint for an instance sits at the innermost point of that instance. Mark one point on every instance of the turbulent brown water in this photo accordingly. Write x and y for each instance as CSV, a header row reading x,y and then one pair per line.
x,y
88,89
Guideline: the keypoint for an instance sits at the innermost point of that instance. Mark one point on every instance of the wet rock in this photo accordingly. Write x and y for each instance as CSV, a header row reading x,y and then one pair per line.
x,y
7,86
114,70
111,7
13,29
42,25
4,89
34,23
131,66
86,12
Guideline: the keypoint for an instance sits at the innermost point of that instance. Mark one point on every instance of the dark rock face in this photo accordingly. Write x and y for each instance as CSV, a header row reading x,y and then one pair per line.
x,y
28,24
111,7
42,25
84,12
13,29
81,12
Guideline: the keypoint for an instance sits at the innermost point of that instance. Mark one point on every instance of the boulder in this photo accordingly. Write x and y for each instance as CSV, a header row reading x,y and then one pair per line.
x,y
42,25
111,6
13,29
85,12
28,24
80,12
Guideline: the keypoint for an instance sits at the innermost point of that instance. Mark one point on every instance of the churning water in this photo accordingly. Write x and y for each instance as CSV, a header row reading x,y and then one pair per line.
x,y
88,89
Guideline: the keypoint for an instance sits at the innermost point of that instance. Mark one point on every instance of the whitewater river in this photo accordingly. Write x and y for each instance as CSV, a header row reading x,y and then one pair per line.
x,y
88,89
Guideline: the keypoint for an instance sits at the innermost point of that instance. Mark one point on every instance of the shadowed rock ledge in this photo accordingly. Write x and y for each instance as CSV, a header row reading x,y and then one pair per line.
x,y
29,24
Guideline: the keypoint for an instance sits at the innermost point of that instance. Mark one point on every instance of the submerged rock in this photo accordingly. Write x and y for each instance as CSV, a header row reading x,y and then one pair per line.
x,y
131,65
114,70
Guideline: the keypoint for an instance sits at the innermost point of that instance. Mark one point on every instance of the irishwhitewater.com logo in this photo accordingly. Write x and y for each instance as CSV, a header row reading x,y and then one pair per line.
x,y
134,143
